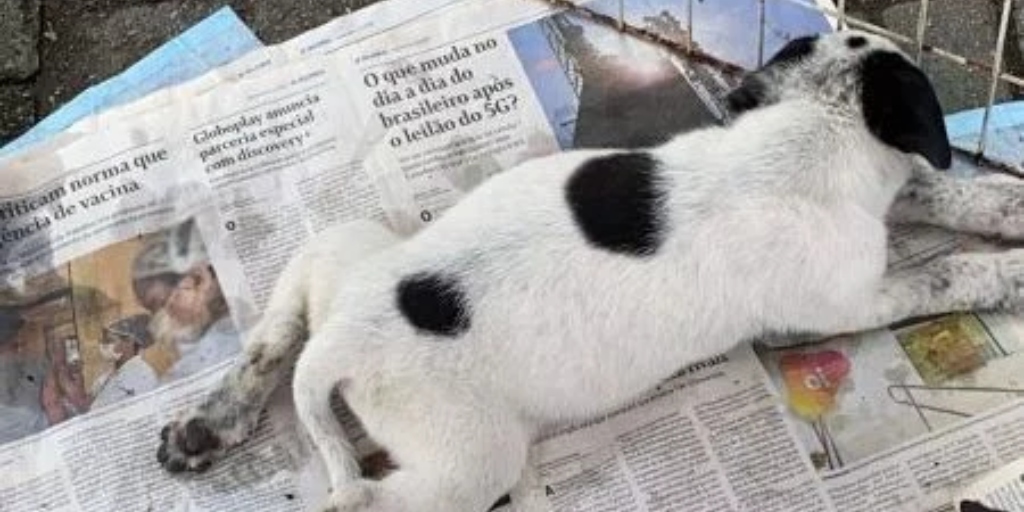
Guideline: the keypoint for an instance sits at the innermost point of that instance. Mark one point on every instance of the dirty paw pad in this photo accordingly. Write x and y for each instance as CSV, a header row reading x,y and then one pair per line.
x,y
191,446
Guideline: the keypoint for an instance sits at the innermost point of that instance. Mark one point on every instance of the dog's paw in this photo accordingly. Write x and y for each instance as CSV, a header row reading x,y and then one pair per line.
x,y
196,440
189,445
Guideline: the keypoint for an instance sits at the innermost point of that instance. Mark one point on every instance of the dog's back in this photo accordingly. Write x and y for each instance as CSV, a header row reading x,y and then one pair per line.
x,y
569,269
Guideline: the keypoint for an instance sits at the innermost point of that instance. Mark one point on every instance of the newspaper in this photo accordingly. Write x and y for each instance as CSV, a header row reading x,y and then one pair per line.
x,y
137,254
1001,490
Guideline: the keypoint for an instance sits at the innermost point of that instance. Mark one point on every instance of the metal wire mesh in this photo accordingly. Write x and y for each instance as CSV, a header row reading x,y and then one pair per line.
x,y
918,42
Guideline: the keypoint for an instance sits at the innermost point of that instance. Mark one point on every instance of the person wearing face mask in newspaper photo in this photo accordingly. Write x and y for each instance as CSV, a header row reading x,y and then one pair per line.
x,y
21,380
191,328
122,343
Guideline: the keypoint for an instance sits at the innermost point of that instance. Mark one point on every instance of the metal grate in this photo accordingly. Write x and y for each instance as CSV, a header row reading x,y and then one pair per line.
x,y
994,67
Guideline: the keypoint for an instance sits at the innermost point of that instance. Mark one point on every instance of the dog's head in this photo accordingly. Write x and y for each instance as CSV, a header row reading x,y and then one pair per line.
x,y
860,73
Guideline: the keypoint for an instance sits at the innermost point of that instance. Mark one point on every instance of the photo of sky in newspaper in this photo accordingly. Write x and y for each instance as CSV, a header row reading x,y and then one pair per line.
x,y
855,397
600,88
108,326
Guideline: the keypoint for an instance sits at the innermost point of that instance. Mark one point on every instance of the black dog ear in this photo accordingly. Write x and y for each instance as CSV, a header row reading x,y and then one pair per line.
x,y
795,50
752,91
901,108
750,94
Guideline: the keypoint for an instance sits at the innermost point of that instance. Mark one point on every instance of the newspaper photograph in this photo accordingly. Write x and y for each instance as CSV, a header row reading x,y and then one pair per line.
x,y
859,396
110,325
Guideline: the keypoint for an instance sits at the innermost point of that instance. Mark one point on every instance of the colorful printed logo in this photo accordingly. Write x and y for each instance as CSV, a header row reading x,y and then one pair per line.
x,y
812,381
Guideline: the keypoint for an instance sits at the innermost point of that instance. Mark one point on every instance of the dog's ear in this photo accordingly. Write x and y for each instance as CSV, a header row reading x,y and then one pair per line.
x,y
900,108
750,94
753,91
795,50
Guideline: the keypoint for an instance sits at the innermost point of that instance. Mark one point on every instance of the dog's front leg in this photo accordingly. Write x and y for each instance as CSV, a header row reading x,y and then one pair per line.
x,y
987,205
229,414
960,282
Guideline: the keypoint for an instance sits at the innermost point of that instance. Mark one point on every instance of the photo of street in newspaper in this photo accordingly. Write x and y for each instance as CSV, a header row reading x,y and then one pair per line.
x,y
727,29
855,397
601,88
108,326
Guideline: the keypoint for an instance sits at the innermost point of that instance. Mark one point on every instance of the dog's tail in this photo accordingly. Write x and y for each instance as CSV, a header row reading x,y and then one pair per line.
x,y
313,387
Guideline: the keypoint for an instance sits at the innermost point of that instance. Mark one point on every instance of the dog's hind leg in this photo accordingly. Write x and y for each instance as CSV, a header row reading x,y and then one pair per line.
x,y
229,414
463,458
456,450
987,205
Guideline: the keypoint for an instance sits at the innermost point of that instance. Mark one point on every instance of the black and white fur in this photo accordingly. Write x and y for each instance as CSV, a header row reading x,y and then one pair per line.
x,y
569,285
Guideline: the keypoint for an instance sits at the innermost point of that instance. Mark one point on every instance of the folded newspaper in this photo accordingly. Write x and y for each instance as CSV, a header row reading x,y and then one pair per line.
x,y
137,251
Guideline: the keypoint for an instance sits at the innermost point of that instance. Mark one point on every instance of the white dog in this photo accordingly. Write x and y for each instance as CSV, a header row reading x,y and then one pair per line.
x,y
568,286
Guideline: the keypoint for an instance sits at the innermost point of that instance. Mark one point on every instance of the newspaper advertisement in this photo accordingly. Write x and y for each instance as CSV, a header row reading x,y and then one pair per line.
x,y
135,256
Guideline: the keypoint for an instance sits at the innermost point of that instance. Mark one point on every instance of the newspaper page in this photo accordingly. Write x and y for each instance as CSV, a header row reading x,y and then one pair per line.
x,y
338,33
1002,490
134,258
898,420
109,294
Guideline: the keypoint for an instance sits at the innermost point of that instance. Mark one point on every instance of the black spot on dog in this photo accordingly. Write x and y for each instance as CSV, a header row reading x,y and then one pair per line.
x,y
974,506
856,42
794,51
615,202
434,304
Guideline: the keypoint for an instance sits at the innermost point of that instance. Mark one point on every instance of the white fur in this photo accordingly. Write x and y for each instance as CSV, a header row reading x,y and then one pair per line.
x,y
775,224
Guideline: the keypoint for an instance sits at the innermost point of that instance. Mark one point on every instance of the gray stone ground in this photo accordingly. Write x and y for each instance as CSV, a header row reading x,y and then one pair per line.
x,y
50,50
